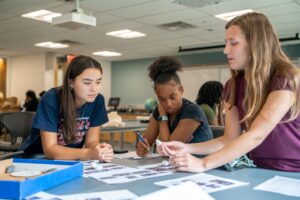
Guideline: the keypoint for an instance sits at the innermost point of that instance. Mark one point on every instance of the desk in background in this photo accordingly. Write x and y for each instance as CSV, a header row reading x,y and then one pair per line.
x,y
254,176
130,125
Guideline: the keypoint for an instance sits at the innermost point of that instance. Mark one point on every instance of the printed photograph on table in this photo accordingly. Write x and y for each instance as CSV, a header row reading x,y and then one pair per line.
x,y
159,167
115,174
208,183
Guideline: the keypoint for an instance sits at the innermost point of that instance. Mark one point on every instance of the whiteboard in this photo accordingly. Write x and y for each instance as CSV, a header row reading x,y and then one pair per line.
x,y
193,77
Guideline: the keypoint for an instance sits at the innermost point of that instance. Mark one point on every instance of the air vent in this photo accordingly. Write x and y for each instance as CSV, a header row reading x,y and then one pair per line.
x,y
297,1
196,3
69,0
69,42
176,26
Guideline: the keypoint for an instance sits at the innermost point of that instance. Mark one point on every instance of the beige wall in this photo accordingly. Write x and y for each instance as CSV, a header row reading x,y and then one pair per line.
x,y
106,79
32,71
25,72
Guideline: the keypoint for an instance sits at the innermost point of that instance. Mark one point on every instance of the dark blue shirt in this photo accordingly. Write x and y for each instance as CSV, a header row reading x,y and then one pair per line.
x,y
190,110
48,118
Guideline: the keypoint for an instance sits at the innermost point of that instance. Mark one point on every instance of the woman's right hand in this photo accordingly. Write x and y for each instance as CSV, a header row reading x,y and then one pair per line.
x,y
187,162
142,149
107,152
172,148
102,152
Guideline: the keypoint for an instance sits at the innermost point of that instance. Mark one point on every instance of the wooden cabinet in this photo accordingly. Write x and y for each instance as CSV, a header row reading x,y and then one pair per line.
x,y
129,136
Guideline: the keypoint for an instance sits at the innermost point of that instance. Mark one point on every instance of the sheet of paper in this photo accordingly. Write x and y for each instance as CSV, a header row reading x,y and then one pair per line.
x,y
187,190
108,195
131,155
207,182
115,174
128,155
282,185
163,167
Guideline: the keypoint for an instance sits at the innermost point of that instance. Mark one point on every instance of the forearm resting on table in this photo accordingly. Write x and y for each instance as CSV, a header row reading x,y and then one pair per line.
x,y
91,144
164,133
58,152
276,106
259,130
233,150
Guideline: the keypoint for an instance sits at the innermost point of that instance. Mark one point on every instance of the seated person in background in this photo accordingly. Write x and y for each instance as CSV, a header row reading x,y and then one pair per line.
x,y
262,104
209,98
175,118
31,102
69,117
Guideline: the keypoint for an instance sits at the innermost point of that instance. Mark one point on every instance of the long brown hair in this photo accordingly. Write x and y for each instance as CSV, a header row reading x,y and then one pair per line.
x,y
67,96
266,61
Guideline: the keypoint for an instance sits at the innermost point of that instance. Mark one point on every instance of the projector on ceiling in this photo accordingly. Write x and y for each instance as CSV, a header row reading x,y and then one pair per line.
x,y
74,20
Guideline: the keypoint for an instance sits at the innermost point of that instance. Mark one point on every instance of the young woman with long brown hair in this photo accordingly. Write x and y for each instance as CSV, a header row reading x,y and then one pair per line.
x,y
262,104
68,118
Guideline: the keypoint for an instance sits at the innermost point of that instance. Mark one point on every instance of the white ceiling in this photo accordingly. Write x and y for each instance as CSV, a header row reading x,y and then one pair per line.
x,y
18,35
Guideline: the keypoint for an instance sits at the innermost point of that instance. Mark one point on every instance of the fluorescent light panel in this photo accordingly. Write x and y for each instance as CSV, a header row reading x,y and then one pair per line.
x,y
106,53
230,15
42,15
126,34
51,45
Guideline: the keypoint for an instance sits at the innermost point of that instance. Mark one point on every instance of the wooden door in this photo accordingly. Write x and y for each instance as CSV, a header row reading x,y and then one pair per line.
x,y
2,77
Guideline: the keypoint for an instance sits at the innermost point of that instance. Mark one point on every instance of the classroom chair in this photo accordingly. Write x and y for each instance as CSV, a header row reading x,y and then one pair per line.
x,y
217,131
18,126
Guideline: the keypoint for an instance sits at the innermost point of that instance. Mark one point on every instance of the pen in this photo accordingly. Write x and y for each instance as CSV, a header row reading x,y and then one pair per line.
x,y
141,137
142,140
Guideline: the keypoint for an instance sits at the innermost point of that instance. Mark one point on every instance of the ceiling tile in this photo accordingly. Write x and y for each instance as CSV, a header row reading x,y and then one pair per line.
x,y
180,15
281,9
146,9
18,35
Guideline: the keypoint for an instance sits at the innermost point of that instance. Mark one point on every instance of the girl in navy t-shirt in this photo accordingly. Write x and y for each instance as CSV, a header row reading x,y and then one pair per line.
x,y
69,117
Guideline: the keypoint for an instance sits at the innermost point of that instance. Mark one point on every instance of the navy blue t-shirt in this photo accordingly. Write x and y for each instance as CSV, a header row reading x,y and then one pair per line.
x,y
190,110
47,118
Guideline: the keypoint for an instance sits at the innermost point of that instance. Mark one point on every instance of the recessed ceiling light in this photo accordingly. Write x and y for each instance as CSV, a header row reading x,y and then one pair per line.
x,y
230,15
106,53
51,45
126,33
42,15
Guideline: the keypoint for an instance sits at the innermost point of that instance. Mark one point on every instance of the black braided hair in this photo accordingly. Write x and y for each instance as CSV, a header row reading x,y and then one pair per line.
x,y
164,69
210,93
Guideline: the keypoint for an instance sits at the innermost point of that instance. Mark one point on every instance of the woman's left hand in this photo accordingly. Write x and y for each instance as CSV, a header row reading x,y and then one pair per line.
x,y
187,162
161,110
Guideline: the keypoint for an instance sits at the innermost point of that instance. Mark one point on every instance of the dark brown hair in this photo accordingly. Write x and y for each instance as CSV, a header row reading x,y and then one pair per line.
x,y
67,96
